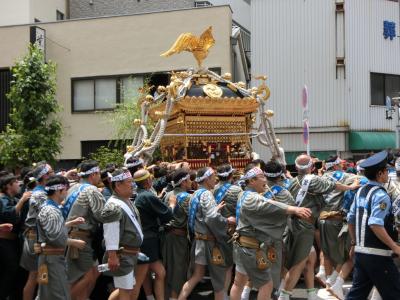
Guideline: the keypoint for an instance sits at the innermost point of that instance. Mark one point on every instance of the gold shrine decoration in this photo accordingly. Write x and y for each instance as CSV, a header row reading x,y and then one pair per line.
x,y
263,90
199,46
212,91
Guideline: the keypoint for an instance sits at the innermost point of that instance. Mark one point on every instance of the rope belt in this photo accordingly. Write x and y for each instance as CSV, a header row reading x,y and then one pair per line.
x,y
47,250
253,243
177,231
248,242
331,215
132,251
203,237
79,234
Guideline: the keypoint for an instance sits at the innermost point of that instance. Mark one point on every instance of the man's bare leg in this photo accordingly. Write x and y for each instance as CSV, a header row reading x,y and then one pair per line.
x,y
189,285
30,286
140,274
238,286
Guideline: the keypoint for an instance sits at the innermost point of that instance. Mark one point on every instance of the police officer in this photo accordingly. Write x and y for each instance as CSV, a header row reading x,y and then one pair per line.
x,y
371,229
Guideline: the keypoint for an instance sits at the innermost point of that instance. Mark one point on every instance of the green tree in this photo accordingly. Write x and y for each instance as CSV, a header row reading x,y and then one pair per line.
x,y
34,133
123,117
105,155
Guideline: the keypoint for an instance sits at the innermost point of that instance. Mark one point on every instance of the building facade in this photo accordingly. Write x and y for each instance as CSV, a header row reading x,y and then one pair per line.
x,y
30,11
96,57
348,56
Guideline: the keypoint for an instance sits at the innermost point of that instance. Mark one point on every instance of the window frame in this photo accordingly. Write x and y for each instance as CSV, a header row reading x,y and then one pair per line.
x,y
94,78
118,78
60,14
384,88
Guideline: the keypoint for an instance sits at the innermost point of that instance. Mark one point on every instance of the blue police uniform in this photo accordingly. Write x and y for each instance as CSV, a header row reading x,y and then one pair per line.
x,y
373,259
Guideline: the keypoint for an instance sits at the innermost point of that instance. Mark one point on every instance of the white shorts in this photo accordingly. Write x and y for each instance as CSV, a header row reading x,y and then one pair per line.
x,y
200,253
126,282
240,269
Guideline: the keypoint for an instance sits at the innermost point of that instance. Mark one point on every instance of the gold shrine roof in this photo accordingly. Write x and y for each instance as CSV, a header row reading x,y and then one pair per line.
x,y
206,95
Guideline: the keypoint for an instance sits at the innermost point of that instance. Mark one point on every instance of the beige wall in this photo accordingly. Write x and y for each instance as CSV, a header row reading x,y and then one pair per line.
x,y
45,10
14,12
117,45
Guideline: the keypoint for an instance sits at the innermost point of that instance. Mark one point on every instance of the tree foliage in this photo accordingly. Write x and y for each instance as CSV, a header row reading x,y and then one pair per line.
x,y
122,119
34,132
105,155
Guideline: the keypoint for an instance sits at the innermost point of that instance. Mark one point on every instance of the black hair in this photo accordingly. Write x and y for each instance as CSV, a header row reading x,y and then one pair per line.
x,y
3,173
332,158
86,165
259,162
104,175
169,176
372,173
179,174
391,159
222,169
56,179
134,160
250,166
5,180
38,169
159,172
193,175
273,166
29,184
25,171
202,171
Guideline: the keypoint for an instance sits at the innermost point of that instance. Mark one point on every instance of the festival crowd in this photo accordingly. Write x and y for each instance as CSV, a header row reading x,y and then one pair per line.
x,y
131,231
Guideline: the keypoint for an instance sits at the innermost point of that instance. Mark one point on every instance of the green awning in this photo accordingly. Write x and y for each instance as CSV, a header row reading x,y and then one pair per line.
x,y
369,140
322,155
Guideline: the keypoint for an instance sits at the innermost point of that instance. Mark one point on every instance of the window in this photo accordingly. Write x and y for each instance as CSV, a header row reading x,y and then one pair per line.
x,y
130,87
383,85
94,94
103,93
59,15
83,95
36,20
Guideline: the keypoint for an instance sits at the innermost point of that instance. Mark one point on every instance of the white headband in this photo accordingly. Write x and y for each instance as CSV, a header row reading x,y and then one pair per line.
x,y
329,165
227,173
120,177
180,181
304,167
90,171
397,165
273,175
134,164
43,172
254,172
56,187
208,173
359,169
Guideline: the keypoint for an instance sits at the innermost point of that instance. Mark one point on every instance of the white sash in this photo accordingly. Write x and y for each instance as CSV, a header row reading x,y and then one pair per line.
x,y
303,189
130,214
